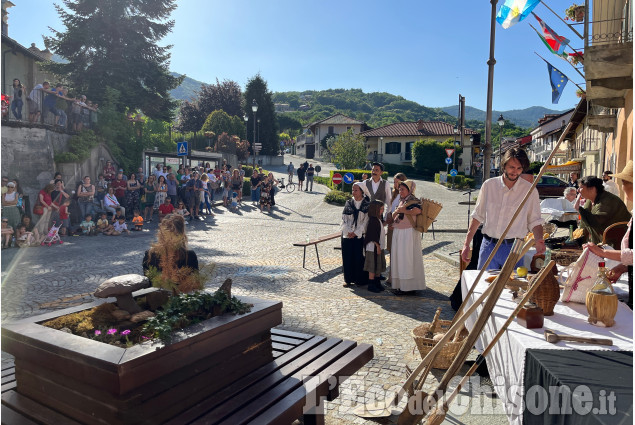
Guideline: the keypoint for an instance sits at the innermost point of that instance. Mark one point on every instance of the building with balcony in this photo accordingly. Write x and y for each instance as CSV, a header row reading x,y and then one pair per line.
x,y
393,143
309,143
545,136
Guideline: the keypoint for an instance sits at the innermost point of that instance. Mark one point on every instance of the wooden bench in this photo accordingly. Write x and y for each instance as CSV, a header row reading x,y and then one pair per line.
x,y
316,242
306,370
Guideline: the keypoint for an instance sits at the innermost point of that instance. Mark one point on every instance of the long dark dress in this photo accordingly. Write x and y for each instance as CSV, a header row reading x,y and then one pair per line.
x,y
354,219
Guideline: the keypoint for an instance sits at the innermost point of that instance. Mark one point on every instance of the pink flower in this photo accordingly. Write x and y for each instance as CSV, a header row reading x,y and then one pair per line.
x,y
112,331
126,332
97,332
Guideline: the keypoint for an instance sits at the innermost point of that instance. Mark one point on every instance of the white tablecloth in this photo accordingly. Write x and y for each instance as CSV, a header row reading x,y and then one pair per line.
x,y
506,361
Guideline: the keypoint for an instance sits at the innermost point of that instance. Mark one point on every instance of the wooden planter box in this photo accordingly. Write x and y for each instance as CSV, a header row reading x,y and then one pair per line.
x,y
97,383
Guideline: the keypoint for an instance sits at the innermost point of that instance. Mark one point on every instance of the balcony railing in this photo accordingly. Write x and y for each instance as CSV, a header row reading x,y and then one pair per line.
x,y
610,22
62,113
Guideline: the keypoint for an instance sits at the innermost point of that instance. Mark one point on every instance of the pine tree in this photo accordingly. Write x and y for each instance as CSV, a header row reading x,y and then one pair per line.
x,y
267,135
113,44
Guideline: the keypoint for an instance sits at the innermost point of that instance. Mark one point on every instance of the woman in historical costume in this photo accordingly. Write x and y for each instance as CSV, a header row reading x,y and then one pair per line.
x,y
354,219
406,259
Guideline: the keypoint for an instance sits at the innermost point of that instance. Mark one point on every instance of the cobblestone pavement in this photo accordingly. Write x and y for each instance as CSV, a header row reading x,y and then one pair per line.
x,y
255,249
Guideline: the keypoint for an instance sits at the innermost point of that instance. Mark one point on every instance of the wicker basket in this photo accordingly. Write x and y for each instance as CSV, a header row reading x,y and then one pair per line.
x,y
564,256
425,345
430,210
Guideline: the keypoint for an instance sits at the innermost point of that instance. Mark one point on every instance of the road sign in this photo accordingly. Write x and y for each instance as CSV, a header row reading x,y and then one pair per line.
x,y
318,168
453,172
449,152
477,164
337,178
448,161
258,146
348,178
181,148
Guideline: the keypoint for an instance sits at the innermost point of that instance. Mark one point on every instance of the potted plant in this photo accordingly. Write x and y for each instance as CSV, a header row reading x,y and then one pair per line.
x,y
575,13
580,93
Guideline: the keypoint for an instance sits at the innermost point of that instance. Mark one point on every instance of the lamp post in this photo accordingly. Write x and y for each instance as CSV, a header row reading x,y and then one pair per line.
x,y
501,123
455,131
246,118
254,108
381,143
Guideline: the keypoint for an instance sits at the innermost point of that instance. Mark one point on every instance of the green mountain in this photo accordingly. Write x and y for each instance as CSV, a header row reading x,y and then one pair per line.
x,y
527,117
188,88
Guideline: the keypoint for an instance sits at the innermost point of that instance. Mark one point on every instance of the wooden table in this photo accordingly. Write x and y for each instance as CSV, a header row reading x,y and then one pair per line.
x,y
306,370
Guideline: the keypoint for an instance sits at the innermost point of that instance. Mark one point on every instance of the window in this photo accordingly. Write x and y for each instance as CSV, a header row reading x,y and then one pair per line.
x,y
331,129
409,151
393,148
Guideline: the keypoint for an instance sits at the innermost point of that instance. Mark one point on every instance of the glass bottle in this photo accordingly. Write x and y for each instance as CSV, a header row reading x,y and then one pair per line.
x,y
602,285
570,232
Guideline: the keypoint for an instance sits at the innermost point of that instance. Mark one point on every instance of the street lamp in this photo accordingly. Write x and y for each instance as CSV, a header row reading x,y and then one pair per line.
x,y
381,143
254,108
501,123
455,130
246,118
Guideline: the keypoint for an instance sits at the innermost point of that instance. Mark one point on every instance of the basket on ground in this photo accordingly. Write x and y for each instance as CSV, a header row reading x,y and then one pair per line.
x,y
425,345
430,210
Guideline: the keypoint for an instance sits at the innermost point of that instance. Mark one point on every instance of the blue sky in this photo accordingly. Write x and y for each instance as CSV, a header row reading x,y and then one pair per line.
x,y
425,51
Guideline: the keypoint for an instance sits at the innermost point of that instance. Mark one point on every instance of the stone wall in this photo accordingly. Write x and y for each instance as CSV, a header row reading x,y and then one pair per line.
x,y
28,152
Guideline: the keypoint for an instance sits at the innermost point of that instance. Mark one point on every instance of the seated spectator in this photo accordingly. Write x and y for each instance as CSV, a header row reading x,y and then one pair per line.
x,y
103,224
23,238
6,232
600,210
30,227
118,227
171,246
111,203
88,226
65,217
118,214
137,221
165,208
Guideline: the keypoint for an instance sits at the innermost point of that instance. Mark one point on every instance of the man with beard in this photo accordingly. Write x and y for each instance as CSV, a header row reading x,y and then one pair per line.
x,y
497,202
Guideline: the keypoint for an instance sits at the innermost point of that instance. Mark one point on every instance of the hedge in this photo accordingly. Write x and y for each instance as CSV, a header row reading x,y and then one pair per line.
x,y
337,197
460,181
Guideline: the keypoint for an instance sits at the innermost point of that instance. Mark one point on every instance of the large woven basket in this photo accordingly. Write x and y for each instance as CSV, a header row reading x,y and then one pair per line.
x,y
430,210
425,345
564,256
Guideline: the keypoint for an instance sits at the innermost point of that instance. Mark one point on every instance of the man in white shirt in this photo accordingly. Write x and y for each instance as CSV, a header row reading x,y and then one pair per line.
x,y
609,184
378,188
497,202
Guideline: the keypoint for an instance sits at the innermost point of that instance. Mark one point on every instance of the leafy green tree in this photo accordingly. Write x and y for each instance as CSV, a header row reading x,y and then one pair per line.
x,y
348,150
238,126
268,133
428,155
218,122
114,44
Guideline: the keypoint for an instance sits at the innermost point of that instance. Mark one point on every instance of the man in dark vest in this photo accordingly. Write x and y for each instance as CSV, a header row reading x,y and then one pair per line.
x,y
377,187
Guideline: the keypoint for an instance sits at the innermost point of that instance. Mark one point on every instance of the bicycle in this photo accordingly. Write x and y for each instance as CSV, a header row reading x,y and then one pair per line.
x,y
289,186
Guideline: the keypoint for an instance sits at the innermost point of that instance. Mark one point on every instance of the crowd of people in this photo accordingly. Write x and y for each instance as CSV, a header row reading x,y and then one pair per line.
x,y
52,105
379,220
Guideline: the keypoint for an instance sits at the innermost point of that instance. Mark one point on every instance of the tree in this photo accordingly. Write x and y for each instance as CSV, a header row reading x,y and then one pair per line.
x,y
218,122
348,150
189,118
268,134
114,44
225,96
428,156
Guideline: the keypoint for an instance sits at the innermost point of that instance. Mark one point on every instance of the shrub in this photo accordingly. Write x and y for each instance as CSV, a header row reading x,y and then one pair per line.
x,y
79,147
460,181
336,197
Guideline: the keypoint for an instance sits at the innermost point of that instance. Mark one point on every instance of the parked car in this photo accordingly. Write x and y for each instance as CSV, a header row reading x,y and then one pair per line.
x,y
550,187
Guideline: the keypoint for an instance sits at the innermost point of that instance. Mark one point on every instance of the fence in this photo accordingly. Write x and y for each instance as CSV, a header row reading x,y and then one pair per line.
x,y
611,22
47,109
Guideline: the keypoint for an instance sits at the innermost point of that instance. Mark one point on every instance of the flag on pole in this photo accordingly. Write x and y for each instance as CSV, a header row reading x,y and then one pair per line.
x,y
558,81
514,11
554,42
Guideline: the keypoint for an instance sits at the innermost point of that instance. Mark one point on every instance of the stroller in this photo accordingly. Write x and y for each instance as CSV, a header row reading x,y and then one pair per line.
x,y
53,236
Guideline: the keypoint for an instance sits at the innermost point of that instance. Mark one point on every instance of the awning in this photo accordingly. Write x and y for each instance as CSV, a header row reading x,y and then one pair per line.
x,y
567,167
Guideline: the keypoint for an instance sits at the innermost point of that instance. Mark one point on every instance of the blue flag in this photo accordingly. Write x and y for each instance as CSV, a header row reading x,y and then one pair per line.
x,y
558,81
514,11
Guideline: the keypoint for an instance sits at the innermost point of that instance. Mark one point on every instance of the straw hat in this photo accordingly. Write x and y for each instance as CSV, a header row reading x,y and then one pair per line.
x,y
410,185
626,174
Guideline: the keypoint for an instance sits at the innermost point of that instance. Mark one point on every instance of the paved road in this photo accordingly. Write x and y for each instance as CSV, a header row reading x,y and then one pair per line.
x,y
256,250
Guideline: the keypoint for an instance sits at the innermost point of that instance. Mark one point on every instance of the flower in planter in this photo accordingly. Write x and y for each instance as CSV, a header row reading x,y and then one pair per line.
x,y
575,13
97,332
126,332
112,331
576,58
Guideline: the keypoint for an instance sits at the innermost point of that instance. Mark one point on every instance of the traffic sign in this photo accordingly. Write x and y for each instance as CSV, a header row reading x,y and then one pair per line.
x,y
337,178
257,145
449,152
477,164
453,172
348,178
181,148
448,161
318,168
